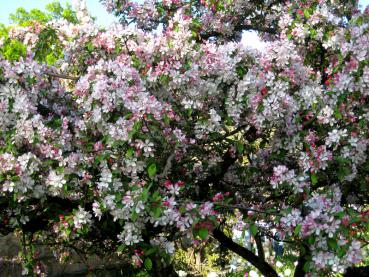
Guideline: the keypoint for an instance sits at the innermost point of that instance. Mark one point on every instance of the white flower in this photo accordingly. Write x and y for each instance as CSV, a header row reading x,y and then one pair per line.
x,y
253,273
81,218
162,242
55,180
8,186
335,136
105,179
97,210
325,116
131,233
214,117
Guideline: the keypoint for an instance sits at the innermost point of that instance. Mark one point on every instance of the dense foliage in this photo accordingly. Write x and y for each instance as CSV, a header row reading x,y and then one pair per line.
x,y
165,128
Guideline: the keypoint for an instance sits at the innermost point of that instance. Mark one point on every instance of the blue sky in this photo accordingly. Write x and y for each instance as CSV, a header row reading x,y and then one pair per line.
x,y
94,6
364,2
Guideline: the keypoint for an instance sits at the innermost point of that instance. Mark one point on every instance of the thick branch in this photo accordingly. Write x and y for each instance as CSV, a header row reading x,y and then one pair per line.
x,y
259,263
361,271
217,175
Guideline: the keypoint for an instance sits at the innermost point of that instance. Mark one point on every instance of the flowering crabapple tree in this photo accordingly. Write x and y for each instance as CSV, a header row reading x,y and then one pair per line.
x,y
133,137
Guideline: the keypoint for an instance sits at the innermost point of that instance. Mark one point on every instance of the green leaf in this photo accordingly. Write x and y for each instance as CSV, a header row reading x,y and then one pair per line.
x,y
166,119
135,129
345,231
129,153
314,178
254,229
148,264
306,267
337,114
341,252
157,212
297,229
145,193
137,126
15,178
306,13
134,216
203,233
241,71
151,170
340,215
332,243
120,248
90,46
176,28
311,240
313,32
239,147
156,195
160,9
164,79
150,251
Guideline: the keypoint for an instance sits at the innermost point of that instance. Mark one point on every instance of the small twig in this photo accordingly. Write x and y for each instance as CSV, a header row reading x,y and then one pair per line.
x,y
62,76
168,165
277,239
225,136
247,209
238,207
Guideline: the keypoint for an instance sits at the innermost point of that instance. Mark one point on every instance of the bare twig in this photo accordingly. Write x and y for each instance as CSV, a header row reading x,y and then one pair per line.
x,y
228,134
62,76
168,165
240,207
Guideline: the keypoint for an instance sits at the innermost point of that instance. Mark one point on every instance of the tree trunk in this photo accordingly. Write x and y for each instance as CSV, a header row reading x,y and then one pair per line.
x,y
162,270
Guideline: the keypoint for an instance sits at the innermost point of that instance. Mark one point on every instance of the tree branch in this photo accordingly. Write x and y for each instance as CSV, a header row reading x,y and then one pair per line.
x,y
240,207
360,271
216,174
304,253
228,134
62,76
259,246
265,268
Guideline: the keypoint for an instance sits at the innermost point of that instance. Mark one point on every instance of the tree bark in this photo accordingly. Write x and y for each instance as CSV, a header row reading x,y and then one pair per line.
x,y
265,268
218,173
361,271
162,270
259,246
304,253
